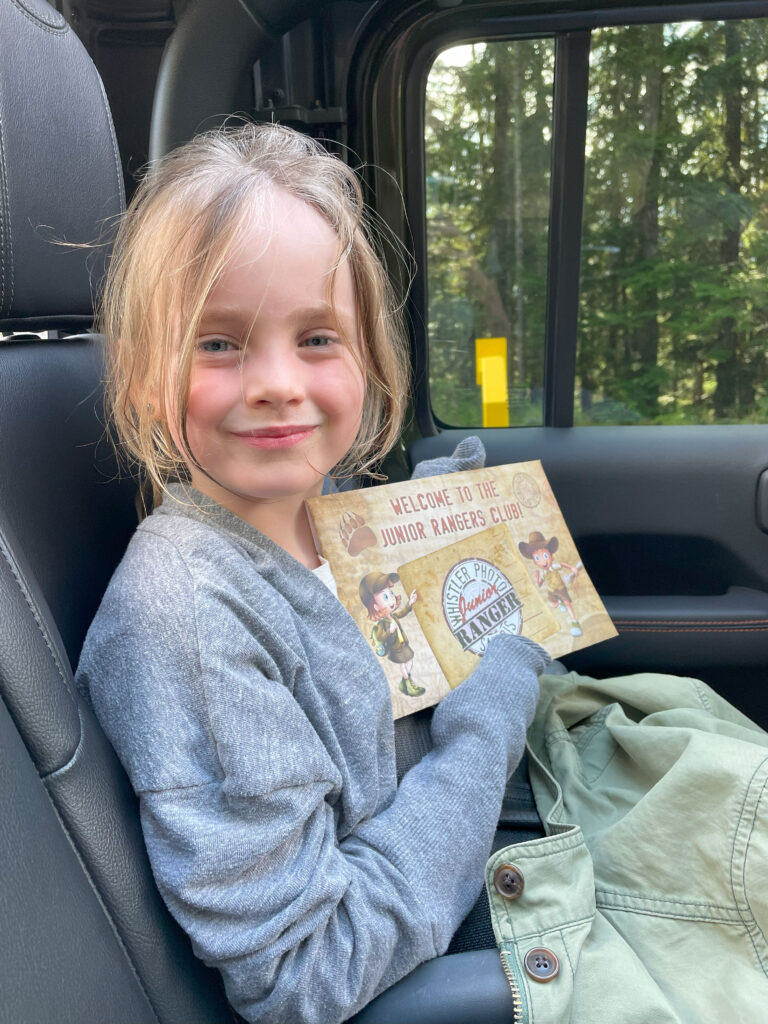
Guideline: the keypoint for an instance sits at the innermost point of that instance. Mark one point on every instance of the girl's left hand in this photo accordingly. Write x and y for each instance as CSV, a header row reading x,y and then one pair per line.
x,y
468,454
413,597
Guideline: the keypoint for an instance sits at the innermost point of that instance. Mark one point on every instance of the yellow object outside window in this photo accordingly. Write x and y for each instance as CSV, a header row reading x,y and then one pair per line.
x,y
491,376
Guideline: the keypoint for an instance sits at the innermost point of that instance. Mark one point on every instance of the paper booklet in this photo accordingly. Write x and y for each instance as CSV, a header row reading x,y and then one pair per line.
x,y
431,569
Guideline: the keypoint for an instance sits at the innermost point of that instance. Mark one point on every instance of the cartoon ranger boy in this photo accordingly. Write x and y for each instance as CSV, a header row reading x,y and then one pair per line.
x,y
548,572
387,635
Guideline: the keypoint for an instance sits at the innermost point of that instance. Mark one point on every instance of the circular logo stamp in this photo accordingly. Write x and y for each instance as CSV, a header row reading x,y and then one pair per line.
x,y
479,602
526,490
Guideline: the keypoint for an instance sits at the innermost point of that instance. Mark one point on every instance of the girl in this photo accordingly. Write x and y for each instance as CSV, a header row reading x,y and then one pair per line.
x,y
253,348
387,634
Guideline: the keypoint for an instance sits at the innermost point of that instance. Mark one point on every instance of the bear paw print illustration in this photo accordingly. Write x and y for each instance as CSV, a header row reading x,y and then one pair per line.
x,y
355,535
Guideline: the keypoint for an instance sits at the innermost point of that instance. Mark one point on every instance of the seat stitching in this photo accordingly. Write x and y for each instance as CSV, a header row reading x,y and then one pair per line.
x,y
629,627
31,605
5,219
661,621
22,586
55,773
102,904
115,153
46,26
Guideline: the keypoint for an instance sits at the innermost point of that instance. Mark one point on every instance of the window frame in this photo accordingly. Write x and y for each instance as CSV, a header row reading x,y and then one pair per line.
x,y
390,109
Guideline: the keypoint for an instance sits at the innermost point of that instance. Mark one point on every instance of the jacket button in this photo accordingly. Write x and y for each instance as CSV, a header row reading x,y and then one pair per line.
x,y
541,964
508,881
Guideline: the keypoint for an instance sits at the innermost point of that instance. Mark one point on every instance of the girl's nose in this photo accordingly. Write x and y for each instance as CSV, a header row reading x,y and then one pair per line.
x,y
275,378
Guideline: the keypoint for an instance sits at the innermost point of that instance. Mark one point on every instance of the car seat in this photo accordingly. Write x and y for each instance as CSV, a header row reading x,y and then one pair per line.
x,y
85,936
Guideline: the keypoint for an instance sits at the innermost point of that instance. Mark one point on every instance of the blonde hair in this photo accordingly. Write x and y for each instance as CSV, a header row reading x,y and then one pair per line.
x,y
173,244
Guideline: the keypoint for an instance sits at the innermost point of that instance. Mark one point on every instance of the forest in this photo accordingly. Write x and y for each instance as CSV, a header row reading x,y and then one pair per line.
x,y
673,308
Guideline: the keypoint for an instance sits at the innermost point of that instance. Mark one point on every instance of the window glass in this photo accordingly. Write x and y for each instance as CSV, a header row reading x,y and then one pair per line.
x,y
488,135
673,302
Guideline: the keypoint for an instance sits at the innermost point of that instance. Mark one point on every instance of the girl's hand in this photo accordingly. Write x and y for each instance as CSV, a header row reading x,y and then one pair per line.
x,y
413,597
392,626
497,702
520,648
468,454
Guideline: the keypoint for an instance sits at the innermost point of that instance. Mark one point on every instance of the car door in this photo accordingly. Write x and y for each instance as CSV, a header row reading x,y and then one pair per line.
x,y
586,187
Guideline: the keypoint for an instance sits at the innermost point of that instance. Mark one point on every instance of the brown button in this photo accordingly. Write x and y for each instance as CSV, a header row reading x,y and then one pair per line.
x,y
508,881
541,964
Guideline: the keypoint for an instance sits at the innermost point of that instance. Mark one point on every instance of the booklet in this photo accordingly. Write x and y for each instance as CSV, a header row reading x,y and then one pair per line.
x,y
432,569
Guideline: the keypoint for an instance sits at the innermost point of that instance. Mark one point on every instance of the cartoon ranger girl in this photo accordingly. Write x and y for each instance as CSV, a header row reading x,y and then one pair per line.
x,y
387,635
548,572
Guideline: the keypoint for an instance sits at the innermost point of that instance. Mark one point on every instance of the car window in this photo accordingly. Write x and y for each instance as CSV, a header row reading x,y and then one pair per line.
x,y
672,308
488,138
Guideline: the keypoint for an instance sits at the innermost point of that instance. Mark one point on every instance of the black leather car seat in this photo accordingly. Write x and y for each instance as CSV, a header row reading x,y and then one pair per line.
x,y
85,937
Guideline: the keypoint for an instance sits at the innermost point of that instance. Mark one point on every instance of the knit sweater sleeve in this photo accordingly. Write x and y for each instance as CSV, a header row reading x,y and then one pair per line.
x,y
239,801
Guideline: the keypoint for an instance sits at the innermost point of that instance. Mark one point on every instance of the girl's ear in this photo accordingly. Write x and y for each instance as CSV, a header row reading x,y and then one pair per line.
x,y
141,397
149,399
152,408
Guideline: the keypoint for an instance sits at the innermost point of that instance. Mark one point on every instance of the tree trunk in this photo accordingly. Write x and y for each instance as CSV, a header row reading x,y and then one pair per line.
x,y
518,203
647,222
728,371
504,183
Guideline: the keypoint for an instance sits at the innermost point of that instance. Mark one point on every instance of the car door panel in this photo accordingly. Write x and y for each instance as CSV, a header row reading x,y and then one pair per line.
x,y
669,523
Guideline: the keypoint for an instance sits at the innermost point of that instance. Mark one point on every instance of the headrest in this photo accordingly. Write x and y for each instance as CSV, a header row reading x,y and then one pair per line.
x,y
60,175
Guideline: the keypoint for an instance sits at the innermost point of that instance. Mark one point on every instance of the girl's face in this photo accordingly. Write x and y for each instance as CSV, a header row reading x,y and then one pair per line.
x,y
543,558
275,396
386,600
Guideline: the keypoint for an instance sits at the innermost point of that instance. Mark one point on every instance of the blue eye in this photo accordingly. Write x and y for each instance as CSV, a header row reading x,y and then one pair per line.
x,y
215,345
317,341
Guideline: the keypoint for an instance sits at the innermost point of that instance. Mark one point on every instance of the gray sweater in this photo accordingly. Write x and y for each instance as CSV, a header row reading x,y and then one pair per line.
x,y
255,725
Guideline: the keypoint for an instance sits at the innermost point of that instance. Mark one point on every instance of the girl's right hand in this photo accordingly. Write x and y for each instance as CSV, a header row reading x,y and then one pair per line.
x,y
522,657
504,644
498,700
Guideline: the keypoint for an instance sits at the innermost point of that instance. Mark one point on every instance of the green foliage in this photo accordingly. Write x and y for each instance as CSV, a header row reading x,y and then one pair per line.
x,y
674,304
488,128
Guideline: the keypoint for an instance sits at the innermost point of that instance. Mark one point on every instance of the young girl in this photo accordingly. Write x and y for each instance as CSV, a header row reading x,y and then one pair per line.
x,y
387,634
253,349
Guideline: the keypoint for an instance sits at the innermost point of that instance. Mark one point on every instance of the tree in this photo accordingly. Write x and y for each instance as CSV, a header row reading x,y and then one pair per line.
x,y
673,302
488,151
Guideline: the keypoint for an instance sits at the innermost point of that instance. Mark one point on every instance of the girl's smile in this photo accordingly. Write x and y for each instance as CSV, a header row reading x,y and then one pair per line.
x,y
276,437
276,386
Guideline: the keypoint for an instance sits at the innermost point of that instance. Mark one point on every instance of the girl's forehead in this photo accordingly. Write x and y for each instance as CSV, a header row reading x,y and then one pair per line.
x,y
283,256
276,227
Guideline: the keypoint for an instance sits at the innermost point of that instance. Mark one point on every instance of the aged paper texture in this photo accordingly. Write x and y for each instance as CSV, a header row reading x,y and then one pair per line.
x,y
375,540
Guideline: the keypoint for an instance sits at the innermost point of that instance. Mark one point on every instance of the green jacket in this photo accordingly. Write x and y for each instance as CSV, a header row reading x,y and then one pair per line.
x,y
647,900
